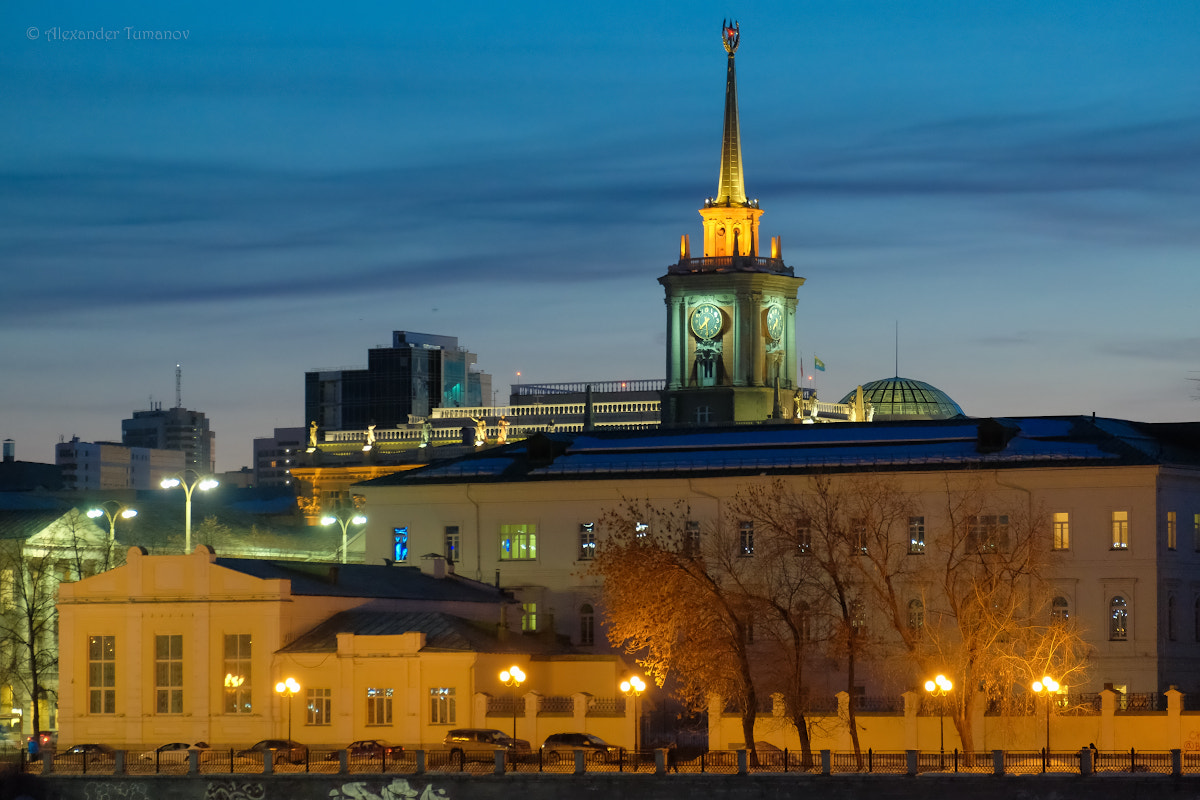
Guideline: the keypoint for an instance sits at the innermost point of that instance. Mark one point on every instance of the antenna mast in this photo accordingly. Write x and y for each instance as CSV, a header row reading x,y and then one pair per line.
x,y
897,348
178,386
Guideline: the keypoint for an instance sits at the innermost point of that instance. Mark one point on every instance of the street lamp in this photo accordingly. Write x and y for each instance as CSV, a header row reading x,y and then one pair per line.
x,y
288,688
118,510
514,677
1046,686
939,687
345,521
634,688
204,484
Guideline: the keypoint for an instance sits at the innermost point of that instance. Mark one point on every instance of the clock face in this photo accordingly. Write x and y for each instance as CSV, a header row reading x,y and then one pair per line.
x,y
706,321
774,323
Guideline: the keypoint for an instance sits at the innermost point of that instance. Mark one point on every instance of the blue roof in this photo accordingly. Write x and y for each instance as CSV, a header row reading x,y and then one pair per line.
x,y
789,447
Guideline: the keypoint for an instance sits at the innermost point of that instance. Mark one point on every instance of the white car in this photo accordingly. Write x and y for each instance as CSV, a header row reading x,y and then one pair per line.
x,y
172,752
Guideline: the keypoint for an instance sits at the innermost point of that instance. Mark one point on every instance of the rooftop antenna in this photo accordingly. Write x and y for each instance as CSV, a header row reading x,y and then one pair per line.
x,y
178,386
897,348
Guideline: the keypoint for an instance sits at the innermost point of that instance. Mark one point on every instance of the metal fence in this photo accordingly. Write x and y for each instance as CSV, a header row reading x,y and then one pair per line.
x,y
681,760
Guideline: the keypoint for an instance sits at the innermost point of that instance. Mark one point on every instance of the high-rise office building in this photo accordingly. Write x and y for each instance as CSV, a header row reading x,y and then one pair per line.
x,y
173,429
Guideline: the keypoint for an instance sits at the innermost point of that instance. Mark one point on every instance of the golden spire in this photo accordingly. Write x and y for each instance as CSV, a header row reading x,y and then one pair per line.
x,y
731,189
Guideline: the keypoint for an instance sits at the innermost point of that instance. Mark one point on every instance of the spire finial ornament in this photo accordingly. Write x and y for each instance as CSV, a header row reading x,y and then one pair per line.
x,y
730,36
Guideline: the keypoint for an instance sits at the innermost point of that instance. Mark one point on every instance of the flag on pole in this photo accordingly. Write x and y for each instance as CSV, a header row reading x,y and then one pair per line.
x,y
819,364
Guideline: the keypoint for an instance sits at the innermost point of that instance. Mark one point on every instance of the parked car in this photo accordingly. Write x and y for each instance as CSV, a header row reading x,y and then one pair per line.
x,y
480,742
88,754
172,752
283,749
563,746
367,749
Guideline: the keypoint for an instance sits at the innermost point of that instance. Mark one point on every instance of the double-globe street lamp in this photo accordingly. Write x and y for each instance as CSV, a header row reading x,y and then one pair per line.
x,y
288,688
112,509
345,520
1049,687
513,677
939,687
634,688
197,482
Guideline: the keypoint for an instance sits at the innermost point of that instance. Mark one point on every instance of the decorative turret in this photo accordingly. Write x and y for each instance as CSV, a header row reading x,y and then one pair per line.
x,y
730,312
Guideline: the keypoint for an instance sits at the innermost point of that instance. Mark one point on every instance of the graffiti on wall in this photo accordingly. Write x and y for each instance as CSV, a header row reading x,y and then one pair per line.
x,y
398,789
234,790
116,790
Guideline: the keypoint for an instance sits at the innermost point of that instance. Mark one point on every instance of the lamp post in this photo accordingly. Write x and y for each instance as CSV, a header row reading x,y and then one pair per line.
x,y
345,521
1046,686
514,677
198,481
288,688
939,687
118,509
634,688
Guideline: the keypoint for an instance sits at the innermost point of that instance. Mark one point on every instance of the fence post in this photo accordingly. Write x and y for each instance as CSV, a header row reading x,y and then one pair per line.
x,y
344,761
660,761
826,765
580,767
911,758
420,758
743,766
1176,762
268,762
119,762
194,762
47,762
498,768
997,762
1085,761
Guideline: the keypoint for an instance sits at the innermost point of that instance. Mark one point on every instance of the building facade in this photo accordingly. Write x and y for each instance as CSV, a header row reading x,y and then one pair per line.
x,y
275,456
99,466
174,429
1118,506
164,649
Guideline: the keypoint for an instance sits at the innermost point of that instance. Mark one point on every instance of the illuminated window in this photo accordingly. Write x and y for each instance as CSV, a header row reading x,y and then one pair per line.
x,y
453,542
641,529
916,615
529,616
1120,530
319,707
102,674
1062,530
746,539
1060,609
442,709
518,542
587,624
237,673
587,541
988,533
400,544
916,536
168,674
379,706
1171,531
1118,623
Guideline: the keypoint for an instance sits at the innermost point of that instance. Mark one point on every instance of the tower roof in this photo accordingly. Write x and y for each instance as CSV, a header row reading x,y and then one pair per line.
x,y
904,398
731,188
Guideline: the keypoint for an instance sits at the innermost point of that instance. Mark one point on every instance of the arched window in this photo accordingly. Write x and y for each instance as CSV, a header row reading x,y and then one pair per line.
x,y
1060,609
916,614
1118,623
587,624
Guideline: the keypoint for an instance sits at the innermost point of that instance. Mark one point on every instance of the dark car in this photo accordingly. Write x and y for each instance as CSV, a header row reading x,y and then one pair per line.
x,y
480,743
88,754
172,752
370,750
563,746
283,749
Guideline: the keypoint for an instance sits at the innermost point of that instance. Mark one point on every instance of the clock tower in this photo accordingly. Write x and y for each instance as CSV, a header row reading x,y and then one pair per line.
x,y
731,313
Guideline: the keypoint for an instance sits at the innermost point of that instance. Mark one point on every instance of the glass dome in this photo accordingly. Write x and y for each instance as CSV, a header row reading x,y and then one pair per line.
x,y
905,398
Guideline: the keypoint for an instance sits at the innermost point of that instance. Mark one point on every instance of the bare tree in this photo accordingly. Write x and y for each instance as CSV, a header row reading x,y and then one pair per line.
x,y
680,615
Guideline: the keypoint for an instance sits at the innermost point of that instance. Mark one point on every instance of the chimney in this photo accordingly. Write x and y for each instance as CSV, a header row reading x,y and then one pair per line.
x,y
10,451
